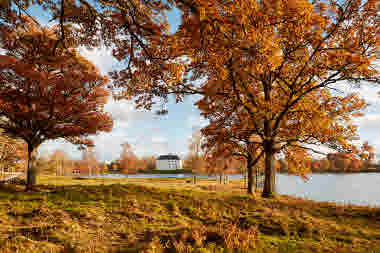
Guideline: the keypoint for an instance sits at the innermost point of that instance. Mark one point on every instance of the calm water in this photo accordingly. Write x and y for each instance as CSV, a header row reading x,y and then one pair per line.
x,y
356,188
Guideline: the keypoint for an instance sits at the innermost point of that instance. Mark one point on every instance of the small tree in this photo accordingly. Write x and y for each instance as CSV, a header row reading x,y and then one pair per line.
x,y
367,154
47,96
194,160
147,163
59,160
316,166
103,168
325,164
128,160
90,162
115,166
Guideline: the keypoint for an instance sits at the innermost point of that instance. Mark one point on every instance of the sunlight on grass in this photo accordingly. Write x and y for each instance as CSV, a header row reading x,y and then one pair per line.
x,y
169,215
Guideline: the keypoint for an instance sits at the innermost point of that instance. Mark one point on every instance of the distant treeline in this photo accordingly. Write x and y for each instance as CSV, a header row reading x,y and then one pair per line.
x,y
337,163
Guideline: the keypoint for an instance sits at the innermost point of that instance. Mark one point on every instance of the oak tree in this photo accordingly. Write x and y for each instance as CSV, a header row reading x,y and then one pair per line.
x,y
281,61
46,96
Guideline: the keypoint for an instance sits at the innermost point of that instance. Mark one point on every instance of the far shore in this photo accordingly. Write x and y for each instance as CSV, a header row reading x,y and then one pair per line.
x,y
188,171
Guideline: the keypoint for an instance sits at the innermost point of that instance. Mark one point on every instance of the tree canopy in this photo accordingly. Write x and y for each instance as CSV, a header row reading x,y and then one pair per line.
x,y
276,64
45,96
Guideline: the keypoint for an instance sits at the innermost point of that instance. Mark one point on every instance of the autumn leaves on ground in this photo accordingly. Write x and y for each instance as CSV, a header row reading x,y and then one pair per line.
x,y
137,215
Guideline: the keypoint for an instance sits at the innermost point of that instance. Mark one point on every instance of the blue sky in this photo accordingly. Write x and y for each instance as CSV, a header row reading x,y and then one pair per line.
x,y
152,135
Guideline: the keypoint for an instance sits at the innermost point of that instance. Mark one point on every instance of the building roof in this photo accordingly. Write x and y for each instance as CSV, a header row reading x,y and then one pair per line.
x,y
168,157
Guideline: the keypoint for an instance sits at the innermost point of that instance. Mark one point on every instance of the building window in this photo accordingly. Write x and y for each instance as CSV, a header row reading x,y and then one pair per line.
x,y
172,164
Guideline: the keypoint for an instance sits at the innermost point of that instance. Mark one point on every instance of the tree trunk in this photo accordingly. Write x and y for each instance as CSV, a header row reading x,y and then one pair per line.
x,y
31,176
245,178
269,173
220,178
273,178
250,180
257,178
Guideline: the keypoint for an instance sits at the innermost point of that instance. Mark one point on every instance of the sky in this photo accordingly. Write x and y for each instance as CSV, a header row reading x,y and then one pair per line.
x,y
152,135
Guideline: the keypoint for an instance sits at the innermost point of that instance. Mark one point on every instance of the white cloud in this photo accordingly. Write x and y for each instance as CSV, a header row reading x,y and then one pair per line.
x,y
369,122
369,93
121,112
48,148
366,90
157,146
108,145
127,118
159,139
124,111
101,57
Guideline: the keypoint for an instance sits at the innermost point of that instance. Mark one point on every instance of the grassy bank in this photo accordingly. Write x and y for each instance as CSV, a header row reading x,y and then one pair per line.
x,y
170,215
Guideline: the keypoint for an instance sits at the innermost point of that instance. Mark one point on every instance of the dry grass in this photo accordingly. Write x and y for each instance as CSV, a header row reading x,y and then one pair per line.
x,y
170,215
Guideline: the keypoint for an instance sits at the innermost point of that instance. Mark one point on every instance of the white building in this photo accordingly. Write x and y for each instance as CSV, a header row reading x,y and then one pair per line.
x,y
168,162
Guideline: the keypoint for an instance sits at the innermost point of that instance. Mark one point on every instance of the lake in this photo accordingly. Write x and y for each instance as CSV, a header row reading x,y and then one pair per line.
x,y
353,188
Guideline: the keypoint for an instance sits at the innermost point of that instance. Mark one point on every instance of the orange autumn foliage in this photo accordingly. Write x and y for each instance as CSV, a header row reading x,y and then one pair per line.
x,y
13,154
274,65
128,160
45,96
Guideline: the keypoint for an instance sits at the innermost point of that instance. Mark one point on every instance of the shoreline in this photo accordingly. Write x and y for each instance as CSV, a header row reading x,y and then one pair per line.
x,y
217,175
